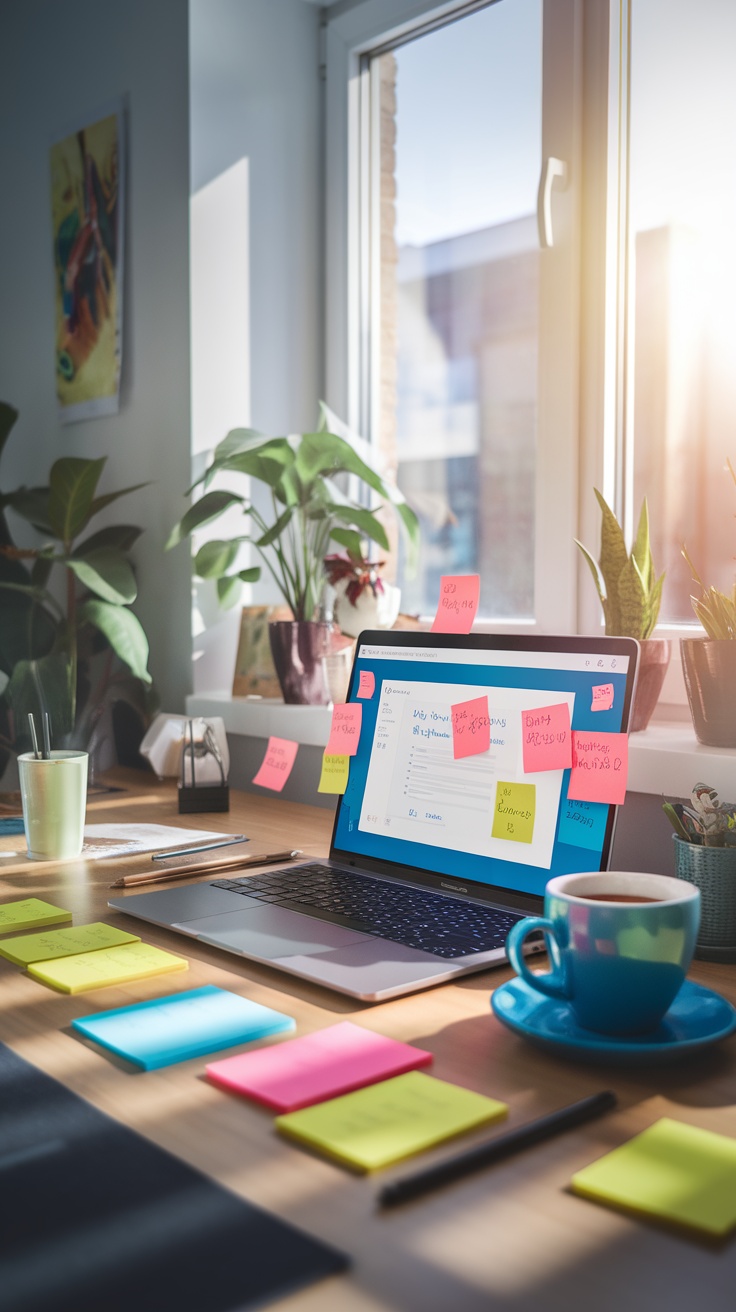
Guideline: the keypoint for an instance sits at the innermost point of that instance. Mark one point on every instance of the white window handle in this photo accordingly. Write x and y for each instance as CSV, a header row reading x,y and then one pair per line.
x,y
551,169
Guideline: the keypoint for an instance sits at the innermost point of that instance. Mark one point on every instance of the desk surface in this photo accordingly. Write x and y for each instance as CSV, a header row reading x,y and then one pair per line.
x,y
511,1237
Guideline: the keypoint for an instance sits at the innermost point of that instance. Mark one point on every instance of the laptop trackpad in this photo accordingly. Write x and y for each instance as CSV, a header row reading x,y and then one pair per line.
x,y
270,932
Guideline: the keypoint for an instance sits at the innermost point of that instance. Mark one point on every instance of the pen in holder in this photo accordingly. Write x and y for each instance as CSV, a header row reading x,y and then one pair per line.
x,y
195,755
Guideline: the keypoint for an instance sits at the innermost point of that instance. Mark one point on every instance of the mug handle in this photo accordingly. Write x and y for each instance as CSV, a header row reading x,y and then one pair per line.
x,y
552,982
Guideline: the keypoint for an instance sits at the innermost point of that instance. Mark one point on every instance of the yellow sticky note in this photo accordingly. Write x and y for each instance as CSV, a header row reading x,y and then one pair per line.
x,y
96,970
673,1171
334,776
56,943
29,914
513,811
389,1121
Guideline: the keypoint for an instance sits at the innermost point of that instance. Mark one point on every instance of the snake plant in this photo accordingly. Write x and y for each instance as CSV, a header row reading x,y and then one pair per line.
x,y
629,591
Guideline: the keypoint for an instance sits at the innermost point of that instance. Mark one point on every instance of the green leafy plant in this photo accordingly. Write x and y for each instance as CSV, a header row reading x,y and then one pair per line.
x,y
716,610
629,591
309,511
68,644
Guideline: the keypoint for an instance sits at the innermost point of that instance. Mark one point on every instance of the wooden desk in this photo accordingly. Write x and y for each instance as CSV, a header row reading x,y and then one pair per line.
x,y
511,1237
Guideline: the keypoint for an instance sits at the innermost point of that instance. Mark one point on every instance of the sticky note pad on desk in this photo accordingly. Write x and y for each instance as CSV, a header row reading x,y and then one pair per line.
x,y
673,1171
316,1066
97,970
166,1030
386,1122
27,948
31,913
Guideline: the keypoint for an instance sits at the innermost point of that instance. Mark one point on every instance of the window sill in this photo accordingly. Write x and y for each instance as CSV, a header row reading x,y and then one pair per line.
x,y
260,717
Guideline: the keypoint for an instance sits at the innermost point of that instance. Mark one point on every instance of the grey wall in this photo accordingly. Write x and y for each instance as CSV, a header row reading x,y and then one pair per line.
x,y
62,62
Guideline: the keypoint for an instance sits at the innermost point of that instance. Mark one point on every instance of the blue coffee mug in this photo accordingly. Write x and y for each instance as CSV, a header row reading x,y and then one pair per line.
x,y
620,945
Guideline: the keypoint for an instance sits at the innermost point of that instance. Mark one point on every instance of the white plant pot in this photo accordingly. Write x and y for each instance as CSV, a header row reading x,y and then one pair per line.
x,y
369,612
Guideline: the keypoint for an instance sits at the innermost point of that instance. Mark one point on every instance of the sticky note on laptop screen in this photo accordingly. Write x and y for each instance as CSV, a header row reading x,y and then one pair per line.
x,y
672,1171
387,1122
312,1068
162,1031
31,913
97,970
55,943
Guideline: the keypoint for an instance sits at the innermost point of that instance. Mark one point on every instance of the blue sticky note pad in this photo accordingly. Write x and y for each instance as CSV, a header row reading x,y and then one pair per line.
x,y
11,824
167,1030
582,824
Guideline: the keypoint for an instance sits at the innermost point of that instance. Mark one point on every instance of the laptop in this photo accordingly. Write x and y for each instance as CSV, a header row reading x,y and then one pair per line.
x,y
432,858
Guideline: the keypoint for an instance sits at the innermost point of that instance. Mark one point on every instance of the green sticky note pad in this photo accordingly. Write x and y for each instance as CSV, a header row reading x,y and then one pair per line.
x,y
513,811
97,970
55,943
30,914
386,1122
673,1171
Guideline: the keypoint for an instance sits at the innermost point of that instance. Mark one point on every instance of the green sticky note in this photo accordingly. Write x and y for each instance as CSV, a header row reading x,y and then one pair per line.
x,y
673,1171
29,914
513,811
389,1121
334,776
64,943
97,970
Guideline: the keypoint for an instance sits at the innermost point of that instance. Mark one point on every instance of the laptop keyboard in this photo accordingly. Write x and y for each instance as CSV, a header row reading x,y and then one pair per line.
x,y
446,927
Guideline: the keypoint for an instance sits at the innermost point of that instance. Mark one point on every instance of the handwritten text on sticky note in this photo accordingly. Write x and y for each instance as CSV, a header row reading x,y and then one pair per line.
x,y
458,603
277,763
471,727
582,824
546,738
513,811
347,718
600,763
367,685
602,697
334,776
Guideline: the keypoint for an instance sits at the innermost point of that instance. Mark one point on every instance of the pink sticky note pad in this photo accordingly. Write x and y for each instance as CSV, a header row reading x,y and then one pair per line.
x,y
471,727
277,763
367,685
458,603
602,697
318,1066
344,736
546,738
600,764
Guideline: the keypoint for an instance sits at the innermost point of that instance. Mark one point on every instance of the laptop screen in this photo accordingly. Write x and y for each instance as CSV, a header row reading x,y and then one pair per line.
x,y
409,802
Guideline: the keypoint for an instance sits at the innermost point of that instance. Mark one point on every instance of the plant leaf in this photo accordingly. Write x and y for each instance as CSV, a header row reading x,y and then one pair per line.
x,y
43,685
107,499
251,575
348,538
632,597
655,601
215,558
8,416
209,507
106,572
121,536
229,590
32,504
613,553
123,631
365,520
276,529
593,569
72,485
641,551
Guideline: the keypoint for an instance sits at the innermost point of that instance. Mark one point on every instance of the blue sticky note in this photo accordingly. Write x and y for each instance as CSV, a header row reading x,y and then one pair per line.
x,y
11,824
167,1030
582,824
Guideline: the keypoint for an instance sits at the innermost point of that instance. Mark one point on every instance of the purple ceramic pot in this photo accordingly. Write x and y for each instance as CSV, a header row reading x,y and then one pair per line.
x,y
299,649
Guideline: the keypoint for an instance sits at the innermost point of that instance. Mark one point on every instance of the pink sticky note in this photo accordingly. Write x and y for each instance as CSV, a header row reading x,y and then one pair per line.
x,y
367,685
471,727
347,718
310,1069
458,603
546,738
277,763
602,697
600,764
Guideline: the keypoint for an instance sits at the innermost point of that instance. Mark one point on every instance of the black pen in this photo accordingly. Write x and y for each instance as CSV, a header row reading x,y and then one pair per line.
x,y
485,1154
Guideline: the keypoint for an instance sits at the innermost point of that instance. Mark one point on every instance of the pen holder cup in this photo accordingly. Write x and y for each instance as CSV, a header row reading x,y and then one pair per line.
x,y
54,797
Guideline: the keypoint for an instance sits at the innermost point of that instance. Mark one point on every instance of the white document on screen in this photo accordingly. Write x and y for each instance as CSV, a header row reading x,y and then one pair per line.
x,y
418,792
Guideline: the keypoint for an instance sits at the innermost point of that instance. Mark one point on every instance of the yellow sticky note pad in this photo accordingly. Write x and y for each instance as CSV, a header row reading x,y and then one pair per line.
x,y
334,776
513,811
96,970
30,914
27,948
673,1171
386,1122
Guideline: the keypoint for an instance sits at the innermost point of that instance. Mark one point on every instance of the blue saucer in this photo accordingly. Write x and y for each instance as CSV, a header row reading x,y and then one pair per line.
x,y
697,1018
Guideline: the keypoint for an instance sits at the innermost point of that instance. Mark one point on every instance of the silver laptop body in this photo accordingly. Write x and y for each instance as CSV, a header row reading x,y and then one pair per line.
x,y
415,827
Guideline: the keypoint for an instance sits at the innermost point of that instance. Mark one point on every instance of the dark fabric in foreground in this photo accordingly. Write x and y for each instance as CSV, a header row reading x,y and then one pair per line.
x,y
95,1218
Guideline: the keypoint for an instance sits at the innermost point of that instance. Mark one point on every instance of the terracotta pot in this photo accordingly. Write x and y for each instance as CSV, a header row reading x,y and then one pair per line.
x,y
653,662
300,649
709,669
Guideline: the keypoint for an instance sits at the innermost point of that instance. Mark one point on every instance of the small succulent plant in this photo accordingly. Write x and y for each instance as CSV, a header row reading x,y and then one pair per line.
x,y
629,591
705,821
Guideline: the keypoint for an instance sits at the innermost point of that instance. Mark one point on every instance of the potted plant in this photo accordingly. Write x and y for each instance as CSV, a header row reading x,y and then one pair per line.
x,y
631,594
705,855
76,655
309,511
709,664
363,600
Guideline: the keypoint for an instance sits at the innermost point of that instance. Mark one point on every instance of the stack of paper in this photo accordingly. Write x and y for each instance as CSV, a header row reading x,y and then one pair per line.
x,y
29,914
55,943
97,970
